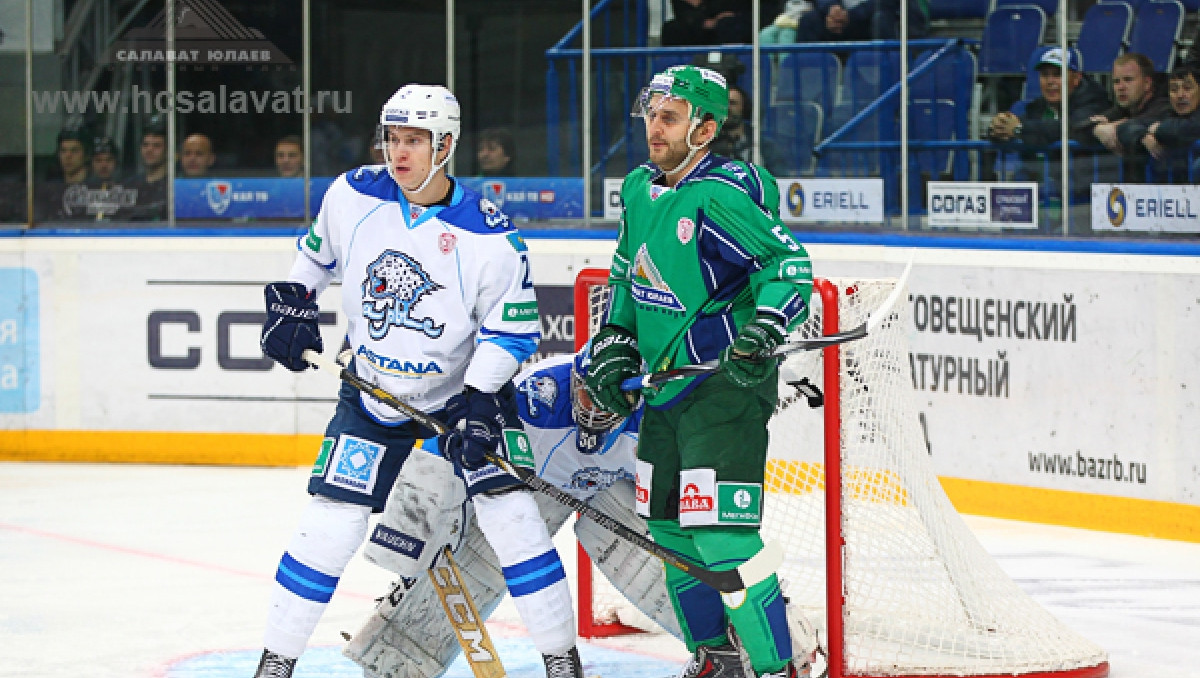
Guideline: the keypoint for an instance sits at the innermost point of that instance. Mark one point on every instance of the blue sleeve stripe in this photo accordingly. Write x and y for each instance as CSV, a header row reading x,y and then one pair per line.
x,y
520,348
534,574
304,581
300,247
518,335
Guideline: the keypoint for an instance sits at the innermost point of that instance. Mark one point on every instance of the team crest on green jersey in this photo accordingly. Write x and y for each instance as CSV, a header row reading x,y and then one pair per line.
x,y
649,288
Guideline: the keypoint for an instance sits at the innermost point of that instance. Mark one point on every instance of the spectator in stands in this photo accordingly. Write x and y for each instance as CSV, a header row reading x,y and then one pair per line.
x,y
497,153
782,30
196,157
151,184
708,22
104,162
843,20
289,157
1169,140
53,198
1139,101
73,155
736,137
1041,126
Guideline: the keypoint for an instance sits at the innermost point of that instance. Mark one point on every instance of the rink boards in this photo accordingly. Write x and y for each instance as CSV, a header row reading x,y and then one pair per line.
x,y
1050,386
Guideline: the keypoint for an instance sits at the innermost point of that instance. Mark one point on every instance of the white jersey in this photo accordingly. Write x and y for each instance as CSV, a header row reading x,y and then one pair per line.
x,y
436,297
544,401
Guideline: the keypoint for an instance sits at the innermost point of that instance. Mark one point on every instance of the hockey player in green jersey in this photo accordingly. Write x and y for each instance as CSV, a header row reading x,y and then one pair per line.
x,y
704,269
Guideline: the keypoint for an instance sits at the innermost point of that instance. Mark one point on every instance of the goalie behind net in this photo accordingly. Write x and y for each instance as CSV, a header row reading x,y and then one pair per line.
x,y
921,596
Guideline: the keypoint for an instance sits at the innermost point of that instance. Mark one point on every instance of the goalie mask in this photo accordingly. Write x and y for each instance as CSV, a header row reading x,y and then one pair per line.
x,y
428,107
594,423
703,90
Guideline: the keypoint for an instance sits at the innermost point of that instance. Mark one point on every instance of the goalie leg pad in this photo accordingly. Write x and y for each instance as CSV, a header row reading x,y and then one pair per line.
x,y
326,538
532,569
424,512
408,635
639,576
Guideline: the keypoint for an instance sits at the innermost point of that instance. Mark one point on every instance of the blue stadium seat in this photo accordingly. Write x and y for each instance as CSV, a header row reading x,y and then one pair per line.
x,y
959,9
1156,28
794,128
1009,36
1033,86
879,126
869,74
1050,7
1103,35
932,120
807,76
952,77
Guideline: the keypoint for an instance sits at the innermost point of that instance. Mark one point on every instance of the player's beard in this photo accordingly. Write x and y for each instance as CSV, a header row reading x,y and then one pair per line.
x,y
669,157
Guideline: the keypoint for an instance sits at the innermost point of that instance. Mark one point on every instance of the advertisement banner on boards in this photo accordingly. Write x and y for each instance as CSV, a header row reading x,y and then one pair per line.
x,y
837,201
1146,207
521,198
982,204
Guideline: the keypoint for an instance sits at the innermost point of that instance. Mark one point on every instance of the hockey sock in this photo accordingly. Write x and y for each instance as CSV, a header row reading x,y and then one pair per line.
x,y
328,534
759,614
532,569
698,606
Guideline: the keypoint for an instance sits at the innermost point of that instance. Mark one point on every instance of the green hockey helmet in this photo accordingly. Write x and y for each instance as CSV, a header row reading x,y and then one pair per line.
x,y
703,88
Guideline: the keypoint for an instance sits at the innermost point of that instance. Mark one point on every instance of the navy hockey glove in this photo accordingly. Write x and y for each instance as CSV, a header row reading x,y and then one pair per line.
x,y
291,325
476,421
615,358
745,361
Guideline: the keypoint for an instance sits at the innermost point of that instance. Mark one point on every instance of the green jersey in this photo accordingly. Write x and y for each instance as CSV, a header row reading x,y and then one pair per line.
x,y
696,262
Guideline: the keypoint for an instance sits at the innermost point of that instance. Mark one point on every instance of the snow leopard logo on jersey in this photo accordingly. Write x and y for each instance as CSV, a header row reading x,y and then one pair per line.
x,y
596,478
539,390
395,283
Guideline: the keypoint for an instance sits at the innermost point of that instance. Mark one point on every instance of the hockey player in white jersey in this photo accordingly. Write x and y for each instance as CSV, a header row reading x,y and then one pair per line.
x,y
441,312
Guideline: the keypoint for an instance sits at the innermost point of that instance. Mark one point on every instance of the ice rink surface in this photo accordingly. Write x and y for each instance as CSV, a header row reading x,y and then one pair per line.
x,y
164,571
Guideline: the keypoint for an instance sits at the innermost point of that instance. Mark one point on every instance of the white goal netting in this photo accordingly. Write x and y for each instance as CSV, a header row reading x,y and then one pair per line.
x,y
921,596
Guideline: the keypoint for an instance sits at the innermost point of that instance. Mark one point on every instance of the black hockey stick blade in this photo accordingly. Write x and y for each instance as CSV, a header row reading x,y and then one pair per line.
x,y
762,565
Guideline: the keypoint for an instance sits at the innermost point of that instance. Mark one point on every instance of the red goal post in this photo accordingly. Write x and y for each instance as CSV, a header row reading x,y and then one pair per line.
x,y
909,591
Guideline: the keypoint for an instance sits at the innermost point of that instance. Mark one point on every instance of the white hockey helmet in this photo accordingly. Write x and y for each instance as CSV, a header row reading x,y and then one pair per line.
x,y
430,107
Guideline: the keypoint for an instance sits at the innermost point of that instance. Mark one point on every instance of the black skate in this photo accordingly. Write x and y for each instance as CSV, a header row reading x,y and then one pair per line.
x,y
274,666
720,661
566,665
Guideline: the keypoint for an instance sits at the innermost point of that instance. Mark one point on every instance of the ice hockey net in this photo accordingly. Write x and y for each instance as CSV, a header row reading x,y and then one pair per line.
x,y
911,592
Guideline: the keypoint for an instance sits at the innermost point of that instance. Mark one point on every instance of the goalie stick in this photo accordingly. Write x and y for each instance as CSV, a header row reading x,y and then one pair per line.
x,y
872,323
469,629
762,565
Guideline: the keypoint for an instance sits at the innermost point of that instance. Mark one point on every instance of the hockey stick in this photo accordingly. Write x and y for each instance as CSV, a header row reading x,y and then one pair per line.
x,y
317,360
872,323
758,568
469,630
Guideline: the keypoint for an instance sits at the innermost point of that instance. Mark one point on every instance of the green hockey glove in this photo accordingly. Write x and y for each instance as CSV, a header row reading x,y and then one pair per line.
x,y
745,361
615,358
